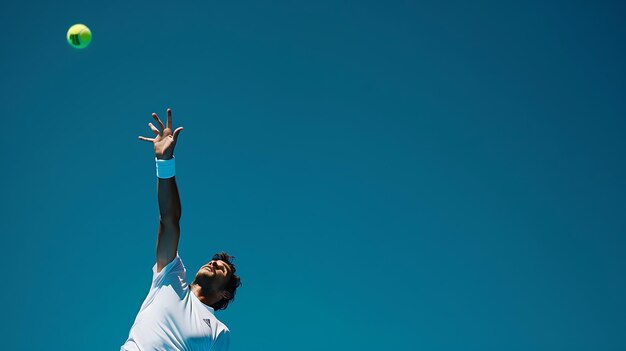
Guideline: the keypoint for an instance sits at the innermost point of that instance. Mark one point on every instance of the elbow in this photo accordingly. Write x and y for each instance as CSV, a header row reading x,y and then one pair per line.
x,y
170,218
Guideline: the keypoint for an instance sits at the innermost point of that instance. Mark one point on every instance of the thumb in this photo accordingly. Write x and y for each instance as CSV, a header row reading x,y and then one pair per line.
x,y
176,132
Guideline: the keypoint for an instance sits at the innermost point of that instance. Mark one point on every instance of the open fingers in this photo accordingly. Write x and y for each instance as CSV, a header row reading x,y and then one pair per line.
x,y
156,131
169,118
176,132
156,118
146,139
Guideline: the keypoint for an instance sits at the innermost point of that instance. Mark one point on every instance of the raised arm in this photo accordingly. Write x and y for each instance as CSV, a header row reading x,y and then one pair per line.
x,y
167,191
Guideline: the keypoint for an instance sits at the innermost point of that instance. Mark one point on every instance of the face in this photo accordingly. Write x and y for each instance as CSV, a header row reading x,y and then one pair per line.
x,y
217,272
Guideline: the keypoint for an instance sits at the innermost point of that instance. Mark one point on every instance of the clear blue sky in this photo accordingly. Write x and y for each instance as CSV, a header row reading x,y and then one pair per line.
x,y
391,175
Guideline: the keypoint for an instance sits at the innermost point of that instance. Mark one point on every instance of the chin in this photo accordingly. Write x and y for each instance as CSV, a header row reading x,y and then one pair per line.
x,y
204,275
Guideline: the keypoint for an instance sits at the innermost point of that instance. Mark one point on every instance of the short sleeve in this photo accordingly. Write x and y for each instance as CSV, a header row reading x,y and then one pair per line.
x,y
222,343
174,273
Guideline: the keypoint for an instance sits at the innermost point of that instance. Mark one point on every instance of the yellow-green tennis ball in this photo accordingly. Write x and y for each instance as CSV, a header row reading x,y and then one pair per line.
x,y
79,36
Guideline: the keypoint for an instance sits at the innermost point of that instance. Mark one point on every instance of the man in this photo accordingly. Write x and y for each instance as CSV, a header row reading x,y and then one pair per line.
x,y
175,315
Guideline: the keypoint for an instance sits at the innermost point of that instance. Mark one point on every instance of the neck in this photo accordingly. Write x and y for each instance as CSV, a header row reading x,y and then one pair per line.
x,y
206,297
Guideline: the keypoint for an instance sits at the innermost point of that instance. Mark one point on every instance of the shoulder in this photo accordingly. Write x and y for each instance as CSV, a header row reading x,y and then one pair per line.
x,y
175,264
175,270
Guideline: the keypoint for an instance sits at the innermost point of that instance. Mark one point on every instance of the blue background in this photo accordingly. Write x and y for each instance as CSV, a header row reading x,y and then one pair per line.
x,y
390,175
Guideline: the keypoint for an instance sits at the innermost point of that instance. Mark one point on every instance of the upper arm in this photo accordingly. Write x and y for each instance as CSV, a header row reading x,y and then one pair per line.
x,y
167,242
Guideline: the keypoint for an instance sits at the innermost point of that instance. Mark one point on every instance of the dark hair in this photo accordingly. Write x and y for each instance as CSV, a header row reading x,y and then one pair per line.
x,y
231,285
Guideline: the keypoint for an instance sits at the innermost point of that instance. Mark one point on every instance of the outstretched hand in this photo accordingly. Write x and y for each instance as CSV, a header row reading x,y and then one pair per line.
x,y
164,141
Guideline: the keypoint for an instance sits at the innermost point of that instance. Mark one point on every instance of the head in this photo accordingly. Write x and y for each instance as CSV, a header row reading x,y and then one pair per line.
x,y
218,280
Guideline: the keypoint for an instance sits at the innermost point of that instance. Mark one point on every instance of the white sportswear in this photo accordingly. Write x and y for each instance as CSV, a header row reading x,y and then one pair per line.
x,y
172,317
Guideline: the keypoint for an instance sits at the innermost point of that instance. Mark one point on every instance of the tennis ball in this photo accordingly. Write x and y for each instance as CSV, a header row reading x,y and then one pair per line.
x,y
79,36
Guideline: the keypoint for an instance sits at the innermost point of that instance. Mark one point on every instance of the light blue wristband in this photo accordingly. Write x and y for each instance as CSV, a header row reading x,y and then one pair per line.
x,y
165,168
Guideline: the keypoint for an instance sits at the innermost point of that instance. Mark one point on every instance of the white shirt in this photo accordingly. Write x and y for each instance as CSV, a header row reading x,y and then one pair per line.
x,y
172,317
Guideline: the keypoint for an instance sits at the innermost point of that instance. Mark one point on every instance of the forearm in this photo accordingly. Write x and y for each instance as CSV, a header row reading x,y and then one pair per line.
x,y
169,200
